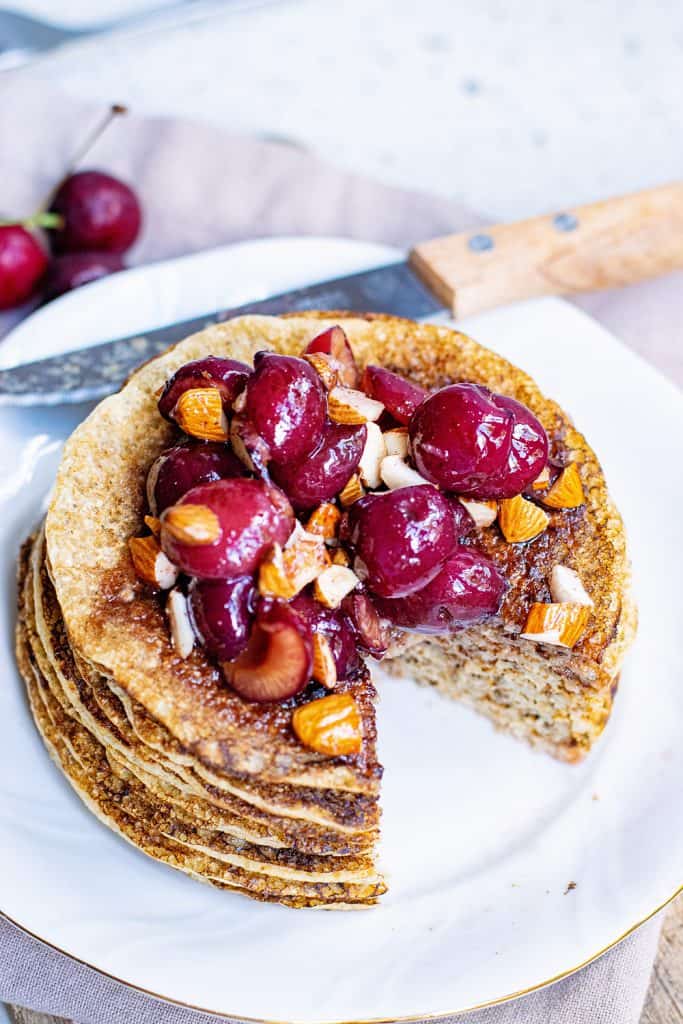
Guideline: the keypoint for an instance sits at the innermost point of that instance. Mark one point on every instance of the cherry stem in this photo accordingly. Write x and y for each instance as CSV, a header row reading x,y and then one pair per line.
x,y
37,220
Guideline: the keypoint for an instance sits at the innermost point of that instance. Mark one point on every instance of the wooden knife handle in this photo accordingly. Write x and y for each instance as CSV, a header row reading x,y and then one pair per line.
x,y
603,245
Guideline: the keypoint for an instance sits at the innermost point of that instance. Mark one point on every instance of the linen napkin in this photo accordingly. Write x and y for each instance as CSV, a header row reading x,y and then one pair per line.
x,y
199,189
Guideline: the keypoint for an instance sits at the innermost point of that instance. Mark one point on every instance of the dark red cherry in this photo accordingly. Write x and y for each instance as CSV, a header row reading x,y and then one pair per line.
x,y
469,588
529,452
228,375
371,636
334,343
222,612
401,538
286,404
325,472
23,262
278,660
177,470
335,626
252,516
399,397
73,269
99,211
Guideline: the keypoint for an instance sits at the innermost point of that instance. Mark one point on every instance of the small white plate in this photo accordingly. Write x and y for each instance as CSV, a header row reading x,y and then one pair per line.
x,y
481,841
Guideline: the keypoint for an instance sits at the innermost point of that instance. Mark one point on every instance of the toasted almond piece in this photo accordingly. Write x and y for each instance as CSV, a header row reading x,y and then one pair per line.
x,y
340,557
397,473
566,587
331,725
240,403
351,491
324,521
324,667
558,624
151,483
284,572
238,446
182,633
199,412
567,491
396,442
153,524
520,520
191,524
348,406
371,459
333,584
323,365
484,513
542,480
151,564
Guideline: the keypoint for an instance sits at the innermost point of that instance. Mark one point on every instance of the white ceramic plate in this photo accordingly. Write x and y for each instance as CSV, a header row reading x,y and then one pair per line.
x,y
479,844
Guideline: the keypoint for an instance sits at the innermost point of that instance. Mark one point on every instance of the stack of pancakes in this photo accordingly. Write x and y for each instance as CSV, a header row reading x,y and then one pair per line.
x,y
168,756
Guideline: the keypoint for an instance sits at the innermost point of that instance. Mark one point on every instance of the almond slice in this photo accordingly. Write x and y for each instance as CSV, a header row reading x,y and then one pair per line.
x,y
567,491
542,480
324,521
566,587
333,584
182,633
153,524
331,725
285,572
352,491
324,667
371,459
396,442
520,520
323,365
348,406
199,412
397,473
191,524
151,564
484,513
558,624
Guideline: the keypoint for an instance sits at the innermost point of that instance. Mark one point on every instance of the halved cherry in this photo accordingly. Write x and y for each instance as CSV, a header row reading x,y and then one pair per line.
x,y
286,405
325,471
399,396
228,375
177,470
222,612
334,343
278,660
337,629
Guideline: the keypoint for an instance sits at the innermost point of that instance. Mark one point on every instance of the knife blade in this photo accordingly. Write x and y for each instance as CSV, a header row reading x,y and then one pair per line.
x,y
94,372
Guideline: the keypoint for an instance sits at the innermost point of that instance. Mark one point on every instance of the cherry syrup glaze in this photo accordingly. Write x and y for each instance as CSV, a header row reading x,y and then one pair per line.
x,y
177,470
399,397
324,472
286,405
222,612
228,375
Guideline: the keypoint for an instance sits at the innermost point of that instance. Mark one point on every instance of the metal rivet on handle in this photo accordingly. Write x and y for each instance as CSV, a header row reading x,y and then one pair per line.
x,y
480,243
565,222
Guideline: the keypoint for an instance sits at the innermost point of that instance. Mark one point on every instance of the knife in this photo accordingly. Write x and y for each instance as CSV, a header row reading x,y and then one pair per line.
x,y
602,245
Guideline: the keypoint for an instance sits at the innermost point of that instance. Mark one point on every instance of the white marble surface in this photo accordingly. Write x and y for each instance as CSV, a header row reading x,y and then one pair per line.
x,y
513,107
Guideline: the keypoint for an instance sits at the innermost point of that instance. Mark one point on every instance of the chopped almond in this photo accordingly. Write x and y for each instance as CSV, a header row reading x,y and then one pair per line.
x,y
396,442
566,587
567,491
285,572
333,584
323,365
520,520
324,521
191,524
557,624
151,564
397,473
352,491
340,557
324,667
371,459
331,725
348,406
542,480
483,513
153,524
199,412
182,633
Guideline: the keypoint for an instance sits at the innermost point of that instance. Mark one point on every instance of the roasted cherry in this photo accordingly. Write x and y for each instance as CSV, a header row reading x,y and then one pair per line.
x,y
334,343
228,375
399,397
469,588
278,660
222,612
251,517
529,451
177,470
326,471
73,269
23,262
285,403
401,538
335,626
99,212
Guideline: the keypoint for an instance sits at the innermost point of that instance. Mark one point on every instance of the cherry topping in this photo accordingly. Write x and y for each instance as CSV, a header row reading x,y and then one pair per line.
x,y
99,211
529,452
179,469
228,375
285,403
222,612
335,626
399,397
23,262
73,269
401,538
469,588
324,472
252,517
334,343
278,660
367,626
